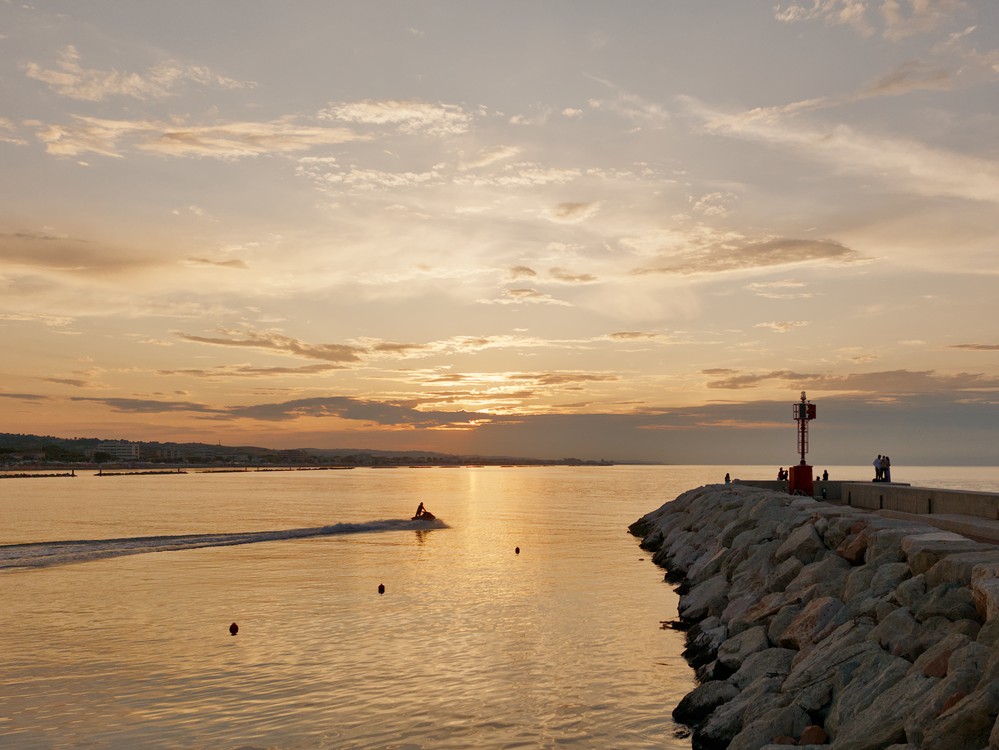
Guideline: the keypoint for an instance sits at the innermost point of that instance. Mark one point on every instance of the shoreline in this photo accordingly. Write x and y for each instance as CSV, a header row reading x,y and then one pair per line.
x,y
825,625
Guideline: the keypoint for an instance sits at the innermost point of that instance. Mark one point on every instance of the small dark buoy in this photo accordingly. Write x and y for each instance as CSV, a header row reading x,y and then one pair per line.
x,y
233,629
517,551
381,588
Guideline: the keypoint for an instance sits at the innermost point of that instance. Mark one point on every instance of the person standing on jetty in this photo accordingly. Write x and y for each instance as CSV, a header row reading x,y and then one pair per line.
x,y
877,468
885,469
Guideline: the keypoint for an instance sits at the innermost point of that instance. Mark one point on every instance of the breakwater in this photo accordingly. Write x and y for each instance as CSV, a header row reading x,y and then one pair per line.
x,y
818,624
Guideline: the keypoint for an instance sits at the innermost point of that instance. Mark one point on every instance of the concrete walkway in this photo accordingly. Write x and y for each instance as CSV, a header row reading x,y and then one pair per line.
x,y
975,528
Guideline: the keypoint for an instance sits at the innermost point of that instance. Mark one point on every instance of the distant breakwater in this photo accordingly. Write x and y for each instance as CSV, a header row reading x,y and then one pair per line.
x,y
815,625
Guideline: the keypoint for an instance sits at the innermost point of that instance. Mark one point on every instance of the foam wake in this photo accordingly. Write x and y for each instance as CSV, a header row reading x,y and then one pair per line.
x,y
49,554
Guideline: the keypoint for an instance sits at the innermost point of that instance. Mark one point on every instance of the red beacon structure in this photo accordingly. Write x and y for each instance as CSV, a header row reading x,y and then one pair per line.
x,y
800,477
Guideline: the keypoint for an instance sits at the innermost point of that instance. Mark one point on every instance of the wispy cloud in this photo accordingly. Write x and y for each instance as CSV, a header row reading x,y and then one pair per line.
x,y
745,255
897,19
524,296
782,326
976,347
231,263
277,342
882,383
69,78
908,166
231,140
408,116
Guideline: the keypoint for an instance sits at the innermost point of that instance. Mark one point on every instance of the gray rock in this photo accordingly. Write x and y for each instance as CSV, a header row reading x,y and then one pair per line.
x,y
824,577
707,566
783,574
888,577
928,706
819,618
968,723
787,721
769,663
923,551
909,593
858,582
804,543
733,652
868,679
898,634
880,721
780,621
727,720
708,598
948,600
702,700
958,568
985,593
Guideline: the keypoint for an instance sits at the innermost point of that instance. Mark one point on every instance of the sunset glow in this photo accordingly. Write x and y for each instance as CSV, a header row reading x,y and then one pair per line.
x,y
547,229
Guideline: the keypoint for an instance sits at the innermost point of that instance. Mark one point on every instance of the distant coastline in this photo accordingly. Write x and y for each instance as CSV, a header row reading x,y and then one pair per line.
x,y
22,452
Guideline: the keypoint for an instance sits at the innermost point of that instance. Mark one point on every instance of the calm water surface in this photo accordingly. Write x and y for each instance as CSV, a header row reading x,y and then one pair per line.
x,y
471,645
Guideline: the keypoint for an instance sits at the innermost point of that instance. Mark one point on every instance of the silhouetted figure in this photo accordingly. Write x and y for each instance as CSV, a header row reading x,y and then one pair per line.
x,y
233,629
780,474
825,475
728,479
878,471
885,469
381,586
419,511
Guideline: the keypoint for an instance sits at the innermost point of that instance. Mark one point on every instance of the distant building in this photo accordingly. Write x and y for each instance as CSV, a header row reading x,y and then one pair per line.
x,y
119,450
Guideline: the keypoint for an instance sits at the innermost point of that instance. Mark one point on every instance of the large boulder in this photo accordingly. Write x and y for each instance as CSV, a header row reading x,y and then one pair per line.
x,y
708,598
733,652
819,618
702,700
804,543
880,719
966,724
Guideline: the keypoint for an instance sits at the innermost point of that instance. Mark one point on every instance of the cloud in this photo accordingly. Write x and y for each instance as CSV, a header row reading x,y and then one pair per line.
x,y
148,406
571,213
782,326
276,342
524,296
779,290
520,272
54,321
639,111
224,141
408,116
561,274
249,371
737,256
233,263
167,79
490,157
572,112
904,164
834,12
65,254
25,396
910,76
976,347
884,384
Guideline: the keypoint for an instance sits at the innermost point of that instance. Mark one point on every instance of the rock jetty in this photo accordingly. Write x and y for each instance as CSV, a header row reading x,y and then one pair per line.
x,y
820,625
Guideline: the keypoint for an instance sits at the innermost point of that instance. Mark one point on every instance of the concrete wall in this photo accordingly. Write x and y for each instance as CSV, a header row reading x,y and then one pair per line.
x,y
921,500
833,489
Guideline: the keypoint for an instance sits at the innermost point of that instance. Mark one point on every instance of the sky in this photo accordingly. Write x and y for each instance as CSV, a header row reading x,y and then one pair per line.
x,y
630,231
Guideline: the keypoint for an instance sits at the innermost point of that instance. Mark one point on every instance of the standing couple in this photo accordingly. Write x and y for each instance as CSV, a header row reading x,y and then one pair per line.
x,y
882,469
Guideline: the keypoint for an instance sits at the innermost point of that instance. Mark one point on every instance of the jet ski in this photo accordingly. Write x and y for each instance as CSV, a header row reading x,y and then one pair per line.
x,y
424,516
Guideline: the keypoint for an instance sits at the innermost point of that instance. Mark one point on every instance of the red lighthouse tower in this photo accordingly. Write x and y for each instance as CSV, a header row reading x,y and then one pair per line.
x,y
800,478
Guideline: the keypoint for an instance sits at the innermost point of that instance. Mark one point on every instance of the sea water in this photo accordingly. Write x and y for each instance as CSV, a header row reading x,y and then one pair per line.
x,y
121,639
